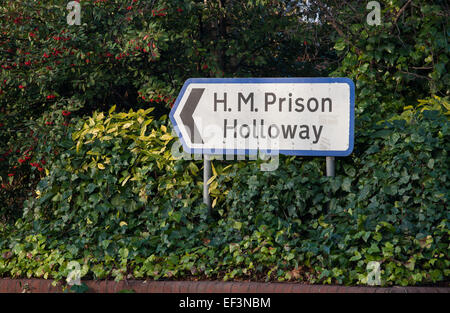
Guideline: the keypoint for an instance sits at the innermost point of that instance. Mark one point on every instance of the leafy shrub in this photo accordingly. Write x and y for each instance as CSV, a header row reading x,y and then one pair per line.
x,y
33,152
112,197
114,190
132,55
123,207
398,61
388,204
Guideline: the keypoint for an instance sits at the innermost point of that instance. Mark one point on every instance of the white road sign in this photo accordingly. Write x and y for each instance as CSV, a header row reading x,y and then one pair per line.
x,y
295,116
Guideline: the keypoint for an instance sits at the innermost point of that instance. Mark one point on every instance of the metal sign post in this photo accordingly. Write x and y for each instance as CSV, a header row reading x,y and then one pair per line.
x,y
206,177
330,166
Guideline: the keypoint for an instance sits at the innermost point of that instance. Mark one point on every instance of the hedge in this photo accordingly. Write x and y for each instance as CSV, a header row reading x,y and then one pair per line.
x,y
88,170
120,204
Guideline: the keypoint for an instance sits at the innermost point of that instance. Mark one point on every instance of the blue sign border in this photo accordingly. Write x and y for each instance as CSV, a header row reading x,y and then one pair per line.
x,y
310,80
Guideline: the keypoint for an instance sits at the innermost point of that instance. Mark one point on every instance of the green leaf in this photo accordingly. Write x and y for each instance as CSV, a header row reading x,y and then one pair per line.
x,y
123,252
347,184
237,225
340,45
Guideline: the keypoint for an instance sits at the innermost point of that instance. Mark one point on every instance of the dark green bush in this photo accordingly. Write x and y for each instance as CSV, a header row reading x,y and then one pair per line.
x,y
389,203
37,145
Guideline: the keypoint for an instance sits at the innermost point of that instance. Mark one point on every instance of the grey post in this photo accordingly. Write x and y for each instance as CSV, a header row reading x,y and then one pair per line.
x,y
206,177
330,166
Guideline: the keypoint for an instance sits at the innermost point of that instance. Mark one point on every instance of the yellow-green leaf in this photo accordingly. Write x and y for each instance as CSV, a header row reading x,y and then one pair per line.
x,y
125,180
211,179
166,137
213,169
79,144
113,108
127,125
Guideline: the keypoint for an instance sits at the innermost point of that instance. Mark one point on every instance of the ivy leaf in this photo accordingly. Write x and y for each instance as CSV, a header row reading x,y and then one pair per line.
x,y
346,184
237,225
123,252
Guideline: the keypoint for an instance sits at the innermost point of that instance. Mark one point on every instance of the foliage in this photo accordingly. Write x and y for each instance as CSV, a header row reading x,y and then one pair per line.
x,y
34,151
398,61
79,288
108,191
133,54
393,209
104,207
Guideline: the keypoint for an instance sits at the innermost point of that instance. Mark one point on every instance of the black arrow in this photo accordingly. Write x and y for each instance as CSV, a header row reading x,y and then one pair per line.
x,y
187,112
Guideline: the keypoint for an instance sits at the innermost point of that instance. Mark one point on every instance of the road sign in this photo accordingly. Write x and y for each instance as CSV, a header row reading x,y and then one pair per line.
x,y
294,116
